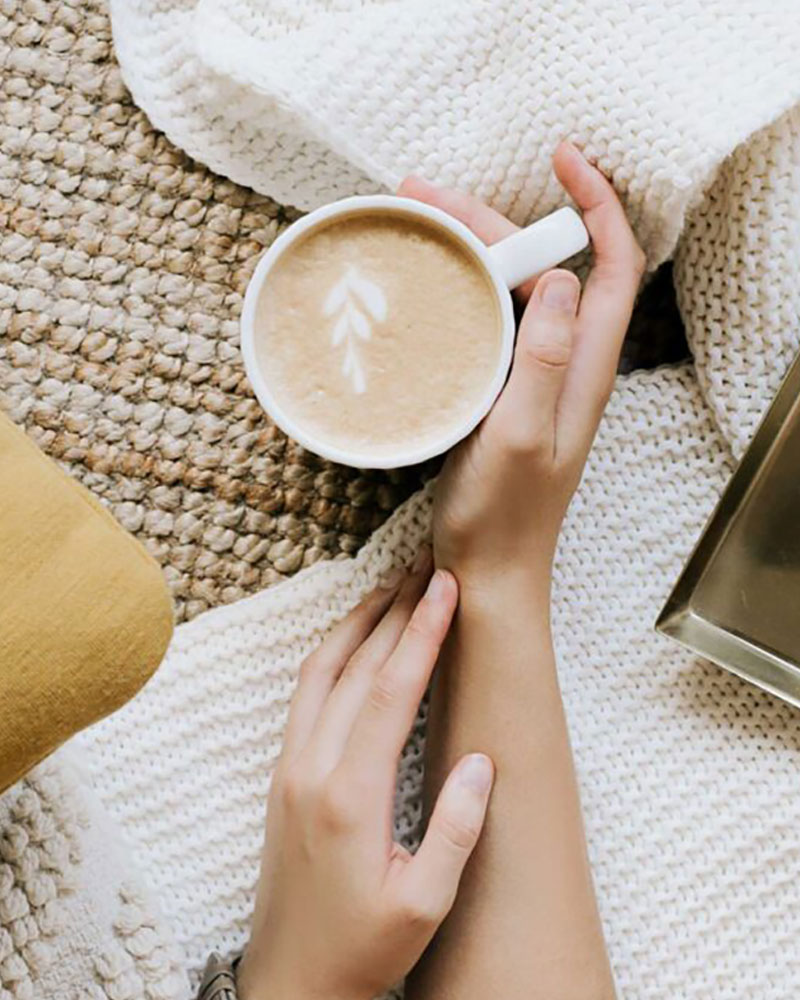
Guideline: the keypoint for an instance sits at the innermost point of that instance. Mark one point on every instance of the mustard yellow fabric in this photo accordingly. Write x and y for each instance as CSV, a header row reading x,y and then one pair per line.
x,y
85,616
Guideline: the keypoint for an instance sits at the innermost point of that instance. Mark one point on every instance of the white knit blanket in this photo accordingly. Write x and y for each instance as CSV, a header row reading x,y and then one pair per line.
x,y
689,777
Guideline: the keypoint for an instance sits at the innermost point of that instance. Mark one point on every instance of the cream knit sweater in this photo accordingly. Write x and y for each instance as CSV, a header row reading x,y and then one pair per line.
x,y
690,778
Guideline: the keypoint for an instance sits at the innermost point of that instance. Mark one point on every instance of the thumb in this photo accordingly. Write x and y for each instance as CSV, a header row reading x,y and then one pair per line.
x,y
526,409
453,831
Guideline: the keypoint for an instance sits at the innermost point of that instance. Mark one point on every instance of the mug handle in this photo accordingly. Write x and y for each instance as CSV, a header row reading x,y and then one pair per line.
x,y
540,246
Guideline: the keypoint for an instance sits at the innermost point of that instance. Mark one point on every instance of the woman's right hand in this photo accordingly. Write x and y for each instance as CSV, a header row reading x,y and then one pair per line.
x,y
343,912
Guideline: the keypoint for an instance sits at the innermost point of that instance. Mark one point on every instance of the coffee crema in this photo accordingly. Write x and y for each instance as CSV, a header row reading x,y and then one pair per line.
x,y
378,333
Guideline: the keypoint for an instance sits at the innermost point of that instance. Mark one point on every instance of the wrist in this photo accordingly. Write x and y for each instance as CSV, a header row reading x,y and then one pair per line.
x,y
508,612
253,983
501,590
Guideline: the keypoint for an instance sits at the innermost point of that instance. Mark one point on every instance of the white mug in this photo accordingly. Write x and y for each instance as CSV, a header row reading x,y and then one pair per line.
x,y
508,264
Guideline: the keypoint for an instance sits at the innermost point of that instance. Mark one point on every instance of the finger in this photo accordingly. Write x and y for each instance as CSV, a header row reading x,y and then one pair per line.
x,y
338,716
391,705
320,670
431,877
487,224
524,416
610,290
618,259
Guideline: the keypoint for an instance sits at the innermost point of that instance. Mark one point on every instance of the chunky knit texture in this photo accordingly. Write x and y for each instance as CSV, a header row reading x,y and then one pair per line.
x,y
688,775
73,924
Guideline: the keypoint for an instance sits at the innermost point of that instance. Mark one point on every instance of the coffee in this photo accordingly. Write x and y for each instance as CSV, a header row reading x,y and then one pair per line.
x,y
378,332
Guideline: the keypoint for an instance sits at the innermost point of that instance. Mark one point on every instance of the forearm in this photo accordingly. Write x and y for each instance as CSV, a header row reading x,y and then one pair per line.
x,y
525,923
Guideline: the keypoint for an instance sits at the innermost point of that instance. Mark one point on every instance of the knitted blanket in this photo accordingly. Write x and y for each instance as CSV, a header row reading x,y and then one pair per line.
x,y
688,775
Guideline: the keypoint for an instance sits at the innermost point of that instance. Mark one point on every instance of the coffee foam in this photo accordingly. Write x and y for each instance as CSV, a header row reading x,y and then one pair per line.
x,y
378,332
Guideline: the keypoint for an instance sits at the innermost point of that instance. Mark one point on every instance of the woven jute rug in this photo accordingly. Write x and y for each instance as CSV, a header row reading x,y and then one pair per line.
x,y
122,269
123,265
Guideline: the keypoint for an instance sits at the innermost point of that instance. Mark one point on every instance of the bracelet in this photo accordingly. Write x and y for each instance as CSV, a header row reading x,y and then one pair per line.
x,y
219,979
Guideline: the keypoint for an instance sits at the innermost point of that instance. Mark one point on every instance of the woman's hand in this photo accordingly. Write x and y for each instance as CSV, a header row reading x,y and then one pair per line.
x,y
343,912
504,491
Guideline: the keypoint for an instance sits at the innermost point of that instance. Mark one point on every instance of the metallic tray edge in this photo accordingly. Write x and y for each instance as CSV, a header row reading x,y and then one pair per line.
x,y
679,621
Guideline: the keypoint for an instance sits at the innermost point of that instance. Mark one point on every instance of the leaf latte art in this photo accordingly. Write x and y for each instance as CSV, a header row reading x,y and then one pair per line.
x,y
352,301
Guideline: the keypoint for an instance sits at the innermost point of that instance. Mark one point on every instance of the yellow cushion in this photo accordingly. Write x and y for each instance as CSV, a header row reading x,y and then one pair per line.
x,y
85,615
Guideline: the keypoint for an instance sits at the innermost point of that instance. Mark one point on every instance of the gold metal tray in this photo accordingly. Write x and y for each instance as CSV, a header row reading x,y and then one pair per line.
x,y
737,601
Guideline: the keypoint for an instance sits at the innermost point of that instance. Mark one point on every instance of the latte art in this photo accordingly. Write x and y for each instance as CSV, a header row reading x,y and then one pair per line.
x,y
378,332
356,301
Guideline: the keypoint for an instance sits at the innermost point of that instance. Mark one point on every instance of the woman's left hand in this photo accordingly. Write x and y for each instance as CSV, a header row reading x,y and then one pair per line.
x,y
343,911
504,491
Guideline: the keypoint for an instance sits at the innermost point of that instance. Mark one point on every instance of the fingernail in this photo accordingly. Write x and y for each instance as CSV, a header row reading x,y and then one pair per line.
x,y
391,578
476,773
560,292
573,149
437,587
422,559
